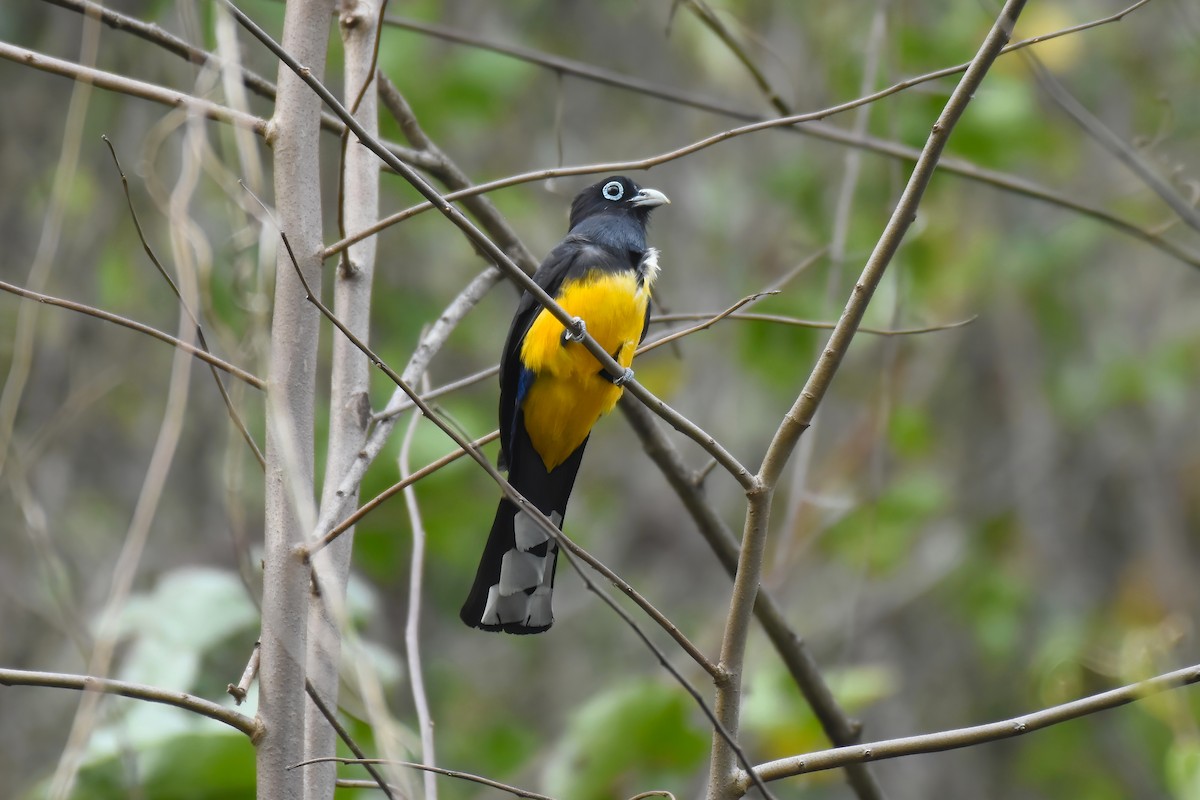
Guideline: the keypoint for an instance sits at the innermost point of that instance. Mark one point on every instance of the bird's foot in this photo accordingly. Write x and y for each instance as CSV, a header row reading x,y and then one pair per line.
x,y
576,332
622,379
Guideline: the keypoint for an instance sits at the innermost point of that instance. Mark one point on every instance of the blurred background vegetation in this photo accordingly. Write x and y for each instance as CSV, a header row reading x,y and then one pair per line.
x,y
984,520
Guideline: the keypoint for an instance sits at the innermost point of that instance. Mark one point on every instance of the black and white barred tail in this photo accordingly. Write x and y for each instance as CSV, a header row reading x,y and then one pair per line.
x,y
515,580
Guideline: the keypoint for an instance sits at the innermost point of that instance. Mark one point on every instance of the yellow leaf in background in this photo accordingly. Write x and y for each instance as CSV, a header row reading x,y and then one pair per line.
x,y
1057,55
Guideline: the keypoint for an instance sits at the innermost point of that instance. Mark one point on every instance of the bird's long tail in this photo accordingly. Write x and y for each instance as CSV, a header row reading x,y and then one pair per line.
x,y
515,579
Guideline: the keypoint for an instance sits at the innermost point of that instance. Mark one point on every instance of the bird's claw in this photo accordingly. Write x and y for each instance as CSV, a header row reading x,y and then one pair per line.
x,y
579,333
624,378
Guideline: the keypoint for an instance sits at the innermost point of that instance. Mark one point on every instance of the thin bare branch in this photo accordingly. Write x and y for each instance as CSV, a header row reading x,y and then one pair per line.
x,y
1009,183
157,35
1114,144
978,734
708,322
794,321
135,88
137,691
235,371
449,773
394,489
344,735
462,383
707,442
200,339
412,621
261,86
448,172
710,20
239,692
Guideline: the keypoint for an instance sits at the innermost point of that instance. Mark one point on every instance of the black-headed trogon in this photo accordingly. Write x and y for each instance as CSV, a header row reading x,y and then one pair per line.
x,y
552,391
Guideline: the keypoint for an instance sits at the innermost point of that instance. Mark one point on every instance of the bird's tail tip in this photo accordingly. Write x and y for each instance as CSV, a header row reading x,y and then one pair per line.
x,y
501,615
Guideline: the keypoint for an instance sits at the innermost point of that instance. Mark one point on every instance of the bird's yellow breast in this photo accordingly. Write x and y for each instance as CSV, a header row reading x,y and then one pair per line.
x,y
569,394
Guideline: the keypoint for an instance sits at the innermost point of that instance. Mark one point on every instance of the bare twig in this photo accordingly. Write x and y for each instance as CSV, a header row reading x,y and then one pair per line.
x,y
709,18
396,488
779,319
708,322
449,173
470,380
138,691
978,734
235,371
162,458
450,773
22,348
261,86
136,88
239,692
155,34
200,339
343,734
1113,143
412,622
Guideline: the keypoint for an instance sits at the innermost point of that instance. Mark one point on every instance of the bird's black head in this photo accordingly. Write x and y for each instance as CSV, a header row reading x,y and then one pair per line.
x,y
616,197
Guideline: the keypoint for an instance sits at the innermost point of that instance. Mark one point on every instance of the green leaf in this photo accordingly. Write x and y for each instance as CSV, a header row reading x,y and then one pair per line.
x,y
1183,769
881,535
192,608
626,740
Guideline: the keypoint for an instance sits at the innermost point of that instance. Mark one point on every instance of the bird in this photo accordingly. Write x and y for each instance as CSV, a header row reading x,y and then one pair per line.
x,y
552,391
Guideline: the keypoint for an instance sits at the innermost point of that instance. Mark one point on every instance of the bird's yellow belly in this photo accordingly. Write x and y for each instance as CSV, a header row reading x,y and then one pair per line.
x,y
569,394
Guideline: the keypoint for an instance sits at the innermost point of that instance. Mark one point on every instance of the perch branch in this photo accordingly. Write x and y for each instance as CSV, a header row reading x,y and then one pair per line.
x,y
978,734
137,691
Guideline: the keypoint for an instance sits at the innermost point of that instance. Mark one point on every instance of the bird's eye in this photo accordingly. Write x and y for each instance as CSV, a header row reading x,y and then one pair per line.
x,y
613,190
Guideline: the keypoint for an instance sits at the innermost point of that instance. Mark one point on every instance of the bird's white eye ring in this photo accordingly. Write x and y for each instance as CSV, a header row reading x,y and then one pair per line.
x,y
613,190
